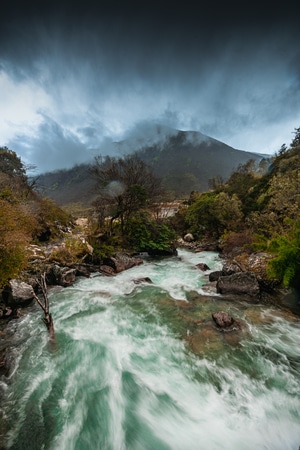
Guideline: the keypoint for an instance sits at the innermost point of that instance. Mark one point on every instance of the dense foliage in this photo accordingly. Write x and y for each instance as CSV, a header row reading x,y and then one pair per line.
x,y
149,235
257,208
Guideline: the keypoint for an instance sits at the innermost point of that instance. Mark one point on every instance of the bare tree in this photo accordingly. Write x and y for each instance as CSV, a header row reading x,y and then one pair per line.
x,y
124,186
45,306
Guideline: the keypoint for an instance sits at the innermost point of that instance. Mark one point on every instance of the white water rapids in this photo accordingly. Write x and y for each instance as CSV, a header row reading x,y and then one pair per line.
x,y
142,367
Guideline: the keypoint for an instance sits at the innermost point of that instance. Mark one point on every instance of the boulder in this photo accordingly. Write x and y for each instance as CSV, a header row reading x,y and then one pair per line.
x,y
243,284
122,261
214,276
82,270
229,268
225,322
107,270
202,266
188,237
61,276
17,293
67,277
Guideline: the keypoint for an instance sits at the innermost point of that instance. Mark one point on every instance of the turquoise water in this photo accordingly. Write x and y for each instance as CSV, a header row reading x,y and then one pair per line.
x,y
137,366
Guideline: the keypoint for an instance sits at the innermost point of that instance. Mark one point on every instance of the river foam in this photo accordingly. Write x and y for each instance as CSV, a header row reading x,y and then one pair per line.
x,y
122,377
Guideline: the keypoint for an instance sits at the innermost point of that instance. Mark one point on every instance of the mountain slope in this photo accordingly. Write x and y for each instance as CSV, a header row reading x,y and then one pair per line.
x,y
185,160
188,160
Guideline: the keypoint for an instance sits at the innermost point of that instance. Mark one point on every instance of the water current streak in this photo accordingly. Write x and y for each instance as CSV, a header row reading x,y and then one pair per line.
x,y
138,367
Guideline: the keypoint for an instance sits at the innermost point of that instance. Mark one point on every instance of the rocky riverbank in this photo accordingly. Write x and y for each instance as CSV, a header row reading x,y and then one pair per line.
x,y
243,275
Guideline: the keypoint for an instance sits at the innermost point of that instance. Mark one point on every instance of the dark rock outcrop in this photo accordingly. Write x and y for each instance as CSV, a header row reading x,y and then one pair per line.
x,y
121,262
214,276
230,267
107,270
61,276
243,284
6,361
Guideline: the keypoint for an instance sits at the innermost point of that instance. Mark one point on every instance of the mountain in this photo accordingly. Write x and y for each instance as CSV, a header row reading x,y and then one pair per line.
x,y
185,160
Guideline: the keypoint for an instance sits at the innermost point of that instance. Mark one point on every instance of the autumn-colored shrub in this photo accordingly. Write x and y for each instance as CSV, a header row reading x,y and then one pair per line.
x,y
15,234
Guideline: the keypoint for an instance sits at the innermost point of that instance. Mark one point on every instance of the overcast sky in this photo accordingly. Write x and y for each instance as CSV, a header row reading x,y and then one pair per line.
x,y
76,76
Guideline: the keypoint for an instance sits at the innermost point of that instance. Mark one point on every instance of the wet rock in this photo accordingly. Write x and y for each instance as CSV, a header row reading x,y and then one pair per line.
x,y
214,276
210,287
142,280
171,251
61,276
82,270
202,266
107,270
68,277
122,261
17,293
243,284
207,247
229,268
223,319
206,340
6,362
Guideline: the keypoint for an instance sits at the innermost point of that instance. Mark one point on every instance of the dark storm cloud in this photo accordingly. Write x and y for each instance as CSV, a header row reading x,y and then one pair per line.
x,y
83,74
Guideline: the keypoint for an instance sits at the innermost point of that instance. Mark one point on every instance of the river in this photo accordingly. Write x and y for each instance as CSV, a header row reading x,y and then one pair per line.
x,y
143,367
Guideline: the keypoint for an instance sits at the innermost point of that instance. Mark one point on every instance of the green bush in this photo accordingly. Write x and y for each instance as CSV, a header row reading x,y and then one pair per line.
x,y
146,234
286,264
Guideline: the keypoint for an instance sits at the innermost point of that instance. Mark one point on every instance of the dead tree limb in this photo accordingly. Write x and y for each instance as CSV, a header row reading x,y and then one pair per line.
x,y
45,306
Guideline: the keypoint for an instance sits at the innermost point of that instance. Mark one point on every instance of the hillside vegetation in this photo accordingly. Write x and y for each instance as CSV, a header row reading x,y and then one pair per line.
x,y
25,217
257,209
254,210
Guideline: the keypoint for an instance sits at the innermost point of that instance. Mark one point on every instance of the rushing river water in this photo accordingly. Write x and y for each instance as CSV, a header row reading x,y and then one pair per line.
x,y
138,367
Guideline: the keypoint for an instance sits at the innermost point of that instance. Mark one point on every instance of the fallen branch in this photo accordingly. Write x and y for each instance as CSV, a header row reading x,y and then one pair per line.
x,y
45,307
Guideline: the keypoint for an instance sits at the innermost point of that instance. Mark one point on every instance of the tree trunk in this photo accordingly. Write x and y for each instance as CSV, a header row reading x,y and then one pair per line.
x,y
45,307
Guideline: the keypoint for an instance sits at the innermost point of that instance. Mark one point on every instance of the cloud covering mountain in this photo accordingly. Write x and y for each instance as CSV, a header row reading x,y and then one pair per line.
x,y
75,77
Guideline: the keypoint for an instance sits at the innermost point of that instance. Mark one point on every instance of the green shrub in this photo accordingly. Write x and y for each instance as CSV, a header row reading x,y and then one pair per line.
x,y
286,264
146,234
